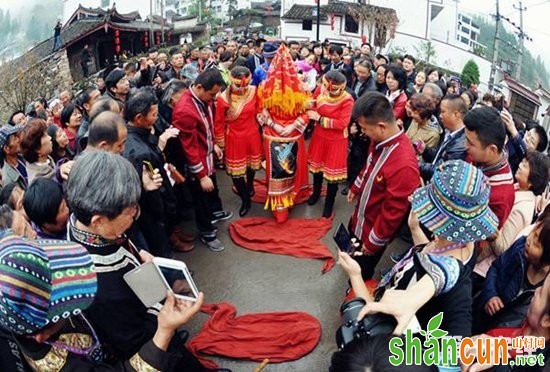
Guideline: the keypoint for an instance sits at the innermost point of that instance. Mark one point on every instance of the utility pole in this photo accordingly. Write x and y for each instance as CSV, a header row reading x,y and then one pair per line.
x,y
318,19
151,38
200,11
162,20
495,51
521,38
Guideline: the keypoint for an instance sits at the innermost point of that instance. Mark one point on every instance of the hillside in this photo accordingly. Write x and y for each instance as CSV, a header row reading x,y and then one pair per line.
x,y
533,70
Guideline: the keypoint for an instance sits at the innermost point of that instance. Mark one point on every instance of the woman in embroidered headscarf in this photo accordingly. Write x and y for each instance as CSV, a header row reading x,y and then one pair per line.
x,y
329,145
454,207
237,131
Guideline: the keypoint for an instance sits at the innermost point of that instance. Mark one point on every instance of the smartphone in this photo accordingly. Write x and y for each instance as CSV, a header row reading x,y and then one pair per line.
x,y
147,283
177,278
343,239
149,167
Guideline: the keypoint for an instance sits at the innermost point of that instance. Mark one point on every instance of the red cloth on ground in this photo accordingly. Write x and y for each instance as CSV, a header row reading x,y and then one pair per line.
x,y
278,336
260,189
296,237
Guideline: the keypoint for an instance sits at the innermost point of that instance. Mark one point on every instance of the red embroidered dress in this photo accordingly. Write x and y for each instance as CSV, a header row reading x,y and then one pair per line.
x,y
284,102
237,130
328,150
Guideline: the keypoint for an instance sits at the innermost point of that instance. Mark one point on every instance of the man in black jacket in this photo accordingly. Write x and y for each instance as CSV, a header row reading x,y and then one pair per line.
x,y
453,145
363,81
159,208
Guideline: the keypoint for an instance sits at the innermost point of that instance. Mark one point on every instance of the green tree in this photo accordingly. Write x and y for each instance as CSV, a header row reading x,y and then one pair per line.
x,y
425,51
34,29
233,4
470,73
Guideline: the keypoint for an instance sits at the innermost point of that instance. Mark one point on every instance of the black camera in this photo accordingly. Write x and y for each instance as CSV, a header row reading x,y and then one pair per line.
x,y
370,325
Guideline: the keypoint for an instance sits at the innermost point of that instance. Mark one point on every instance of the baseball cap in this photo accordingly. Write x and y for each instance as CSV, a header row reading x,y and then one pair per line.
x,y
6,131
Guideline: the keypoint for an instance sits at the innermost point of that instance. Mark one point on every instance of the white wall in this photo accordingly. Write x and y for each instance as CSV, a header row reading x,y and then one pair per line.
x,y
448,56
293,31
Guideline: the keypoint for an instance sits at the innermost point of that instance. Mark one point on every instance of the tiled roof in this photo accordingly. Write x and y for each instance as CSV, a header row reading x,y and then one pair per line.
x,y
303,12
333,7
68,36
522,90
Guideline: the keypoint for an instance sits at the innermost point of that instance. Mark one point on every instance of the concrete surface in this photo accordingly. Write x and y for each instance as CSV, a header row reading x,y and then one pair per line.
x,y
257,282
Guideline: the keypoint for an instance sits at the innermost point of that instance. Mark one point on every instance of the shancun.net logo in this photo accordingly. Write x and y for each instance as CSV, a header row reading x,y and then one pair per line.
x,y
442,350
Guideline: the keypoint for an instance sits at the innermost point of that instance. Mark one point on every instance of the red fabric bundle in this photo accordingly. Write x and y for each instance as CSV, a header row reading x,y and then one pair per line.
x,y
371,284
260,189
296,237
278,336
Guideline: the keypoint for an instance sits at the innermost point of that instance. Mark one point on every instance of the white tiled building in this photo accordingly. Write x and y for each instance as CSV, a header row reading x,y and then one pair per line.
x,y
420,21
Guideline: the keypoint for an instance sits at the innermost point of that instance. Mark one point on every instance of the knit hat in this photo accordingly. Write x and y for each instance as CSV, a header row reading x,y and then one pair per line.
x,y
113,78
6,131
270,49
42,282
455,205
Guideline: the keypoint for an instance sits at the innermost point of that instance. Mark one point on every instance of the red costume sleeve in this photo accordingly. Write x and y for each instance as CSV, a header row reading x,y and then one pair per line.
x,y
400,185
219,121
186,122
338,119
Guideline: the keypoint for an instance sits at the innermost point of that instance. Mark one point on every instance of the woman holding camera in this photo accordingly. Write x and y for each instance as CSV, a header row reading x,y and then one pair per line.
x,y
433,275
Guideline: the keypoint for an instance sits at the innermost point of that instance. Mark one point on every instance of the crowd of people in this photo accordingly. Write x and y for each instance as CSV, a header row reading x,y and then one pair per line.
x,y
97,184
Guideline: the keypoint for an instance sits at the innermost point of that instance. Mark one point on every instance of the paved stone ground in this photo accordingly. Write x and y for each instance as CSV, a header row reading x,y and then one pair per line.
x,y
258,282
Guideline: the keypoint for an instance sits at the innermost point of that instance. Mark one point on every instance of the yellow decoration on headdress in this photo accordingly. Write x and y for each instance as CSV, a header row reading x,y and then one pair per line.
x,y
282,92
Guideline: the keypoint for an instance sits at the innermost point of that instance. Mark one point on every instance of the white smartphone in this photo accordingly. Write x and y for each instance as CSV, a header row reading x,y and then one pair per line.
x,y
177,278
147,283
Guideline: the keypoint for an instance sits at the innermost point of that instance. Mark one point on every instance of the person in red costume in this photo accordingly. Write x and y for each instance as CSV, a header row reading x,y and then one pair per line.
x,y
284,120
328,149
236,130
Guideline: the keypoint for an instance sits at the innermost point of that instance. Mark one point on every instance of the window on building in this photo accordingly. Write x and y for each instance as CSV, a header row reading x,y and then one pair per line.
x,y
464,40
105,3
466,20
465,30
307,25
473,36
351,25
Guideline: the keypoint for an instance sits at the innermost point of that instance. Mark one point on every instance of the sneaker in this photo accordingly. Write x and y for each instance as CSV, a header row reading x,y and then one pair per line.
x,y
396,257
221,215
345,191
214,245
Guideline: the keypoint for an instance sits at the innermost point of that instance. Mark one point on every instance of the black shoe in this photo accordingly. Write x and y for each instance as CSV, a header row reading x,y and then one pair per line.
x,y
313,199
251,192
221,215
345,191
327,211
245,207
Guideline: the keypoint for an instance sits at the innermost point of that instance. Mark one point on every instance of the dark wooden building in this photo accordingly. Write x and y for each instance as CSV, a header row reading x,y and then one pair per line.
x,y
108,35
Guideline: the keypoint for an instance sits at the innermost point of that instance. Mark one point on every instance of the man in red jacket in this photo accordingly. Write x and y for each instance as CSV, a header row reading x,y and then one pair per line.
x,y
485,136
387,180
193,117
